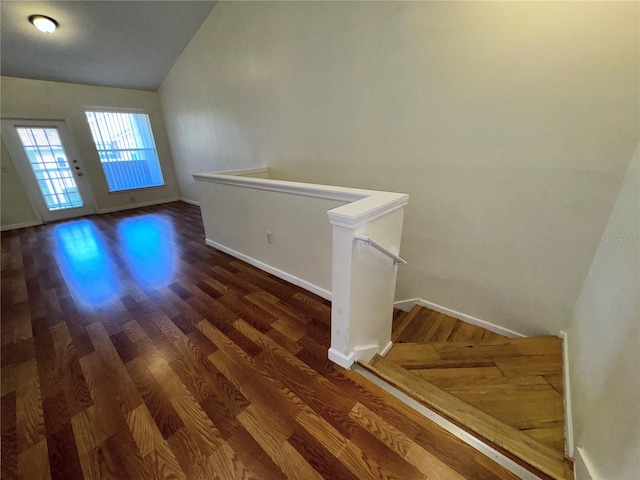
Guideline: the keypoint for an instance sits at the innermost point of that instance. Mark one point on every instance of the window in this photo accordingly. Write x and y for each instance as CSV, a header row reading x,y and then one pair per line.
x,y
126,149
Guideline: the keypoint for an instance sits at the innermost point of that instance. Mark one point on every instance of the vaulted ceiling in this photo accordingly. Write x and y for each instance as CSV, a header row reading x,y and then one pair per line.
x,y
128,44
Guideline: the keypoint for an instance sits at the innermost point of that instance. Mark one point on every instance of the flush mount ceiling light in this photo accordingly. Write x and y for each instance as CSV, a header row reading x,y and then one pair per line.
x,y
43,23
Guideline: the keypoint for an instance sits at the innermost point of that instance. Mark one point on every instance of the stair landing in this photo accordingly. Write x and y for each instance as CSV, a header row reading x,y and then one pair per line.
x,y
507,390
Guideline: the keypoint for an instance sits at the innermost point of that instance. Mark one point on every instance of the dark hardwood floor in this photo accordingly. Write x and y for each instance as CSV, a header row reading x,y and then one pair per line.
x,y
132,350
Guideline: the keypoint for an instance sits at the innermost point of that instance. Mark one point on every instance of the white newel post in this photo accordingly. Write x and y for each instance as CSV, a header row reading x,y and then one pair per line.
x,y
363,278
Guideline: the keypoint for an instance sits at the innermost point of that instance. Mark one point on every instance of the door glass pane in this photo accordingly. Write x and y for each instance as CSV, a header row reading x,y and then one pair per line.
x,y
49,163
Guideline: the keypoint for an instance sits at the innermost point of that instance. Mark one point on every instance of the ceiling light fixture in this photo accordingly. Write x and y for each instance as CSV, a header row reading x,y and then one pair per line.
x,y
43,23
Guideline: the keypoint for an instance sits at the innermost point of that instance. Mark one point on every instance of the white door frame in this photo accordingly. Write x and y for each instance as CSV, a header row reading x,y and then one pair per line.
x,y
21,162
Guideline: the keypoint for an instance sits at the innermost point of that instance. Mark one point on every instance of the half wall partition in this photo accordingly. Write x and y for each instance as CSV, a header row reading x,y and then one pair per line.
x,y
340,243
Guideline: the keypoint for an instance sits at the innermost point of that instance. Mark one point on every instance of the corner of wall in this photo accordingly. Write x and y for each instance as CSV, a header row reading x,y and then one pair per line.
x,y
583,468
602,388
16,210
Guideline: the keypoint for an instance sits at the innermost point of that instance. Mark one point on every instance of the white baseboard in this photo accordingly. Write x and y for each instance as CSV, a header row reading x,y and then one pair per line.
x,y
34,223
15,226
568,410
386,349
189,201
582,466
345,361
361,353
406,305
138,205
365,353
321,292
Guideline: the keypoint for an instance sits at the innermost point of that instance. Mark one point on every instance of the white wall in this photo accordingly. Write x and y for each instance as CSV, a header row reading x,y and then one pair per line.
x,y
604,343
14,203
36,99
236,219
510,124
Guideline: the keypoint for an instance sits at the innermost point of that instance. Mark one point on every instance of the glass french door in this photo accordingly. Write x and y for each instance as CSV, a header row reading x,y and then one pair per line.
x,y
46,159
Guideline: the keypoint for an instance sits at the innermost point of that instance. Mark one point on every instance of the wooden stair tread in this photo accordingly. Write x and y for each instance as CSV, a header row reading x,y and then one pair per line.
x,y
516,442
403,321
518,381
436,354
516,355
547,344
536,345
424,325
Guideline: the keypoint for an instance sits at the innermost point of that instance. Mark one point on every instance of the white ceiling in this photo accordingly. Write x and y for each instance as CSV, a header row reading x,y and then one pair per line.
x,y
128,44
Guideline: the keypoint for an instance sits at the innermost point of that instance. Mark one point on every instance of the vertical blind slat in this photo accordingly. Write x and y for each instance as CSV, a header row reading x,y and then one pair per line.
x,y
126,149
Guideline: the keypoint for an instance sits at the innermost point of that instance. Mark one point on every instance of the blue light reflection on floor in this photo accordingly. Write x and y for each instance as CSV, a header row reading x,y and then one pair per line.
x,y
85,263
147,246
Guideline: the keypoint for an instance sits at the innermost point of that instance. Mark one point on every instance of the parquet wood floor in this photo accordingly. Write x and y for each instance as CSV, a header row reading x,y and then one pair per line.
x,y
518,381
502,382
131,350
422,325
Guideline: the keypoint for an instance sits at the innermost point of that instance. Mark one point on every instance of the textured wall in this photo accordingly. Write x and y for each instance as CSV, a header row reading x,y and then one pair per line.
x,y
510,124
15,205
604,343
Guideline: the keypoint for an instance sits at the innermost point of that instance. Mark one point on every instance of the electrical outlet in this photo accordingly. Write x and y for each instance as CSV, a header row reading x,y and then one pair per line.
x,y
269,238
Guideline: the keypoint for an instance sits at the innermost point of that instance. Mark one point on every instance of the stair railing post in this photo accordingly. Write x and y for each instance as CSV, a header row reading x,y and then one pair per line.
x,y
363,285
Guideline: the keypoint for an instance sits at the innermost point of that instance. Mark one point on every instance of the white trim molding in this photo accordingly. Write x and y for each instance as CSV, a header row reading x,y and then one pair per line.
x,y
282,186
364,205
137,205
582,466
189,201
245,171
345,361
365,210
406,305
568,409
367,353
362,353
321,292
386,349
34,223
15,226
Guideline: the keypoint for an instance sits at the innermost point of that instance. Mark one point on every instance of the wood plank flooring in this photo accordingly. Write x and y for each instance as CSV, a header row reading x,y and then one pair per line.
x,y
132,350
